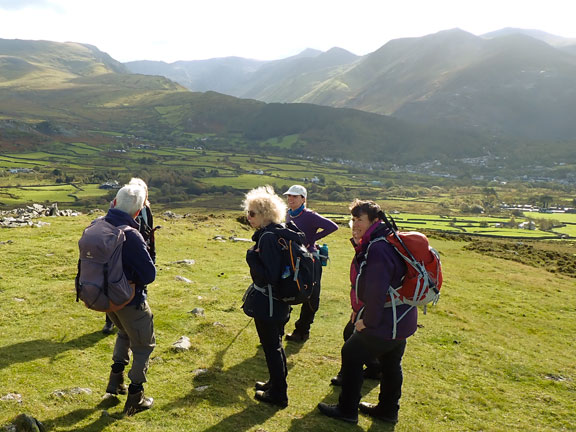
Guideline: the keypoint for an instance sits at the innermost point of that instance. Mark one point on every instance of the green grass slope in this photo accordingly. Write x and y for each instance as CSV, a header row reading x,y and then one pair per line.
x,y
493,355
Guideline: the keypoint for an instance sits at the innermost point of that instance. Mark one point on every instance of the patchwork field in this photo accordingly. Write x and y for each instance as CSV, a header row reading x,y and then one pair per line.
x,y
70,174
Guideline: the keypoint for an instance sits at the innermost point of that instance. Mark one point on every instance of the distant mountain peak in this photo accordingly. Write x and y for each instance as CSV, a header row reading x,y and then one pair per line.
x,y
551,39
308,52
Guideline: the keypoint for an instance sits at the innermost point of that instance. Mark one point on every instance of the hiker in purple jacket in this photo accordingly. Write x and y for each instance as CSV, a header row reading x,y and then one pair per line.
x,y
315,227
375,270
134,321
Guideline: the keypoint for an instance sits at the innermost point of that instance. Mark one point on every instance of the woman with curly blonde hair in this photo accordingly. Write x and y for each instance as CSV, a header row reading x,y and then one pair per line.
x,y
265,211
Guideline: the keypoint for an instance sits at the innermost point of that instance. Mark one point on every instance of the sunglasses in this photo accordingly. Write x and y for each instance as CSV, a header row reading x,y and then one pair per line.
x,y
251,213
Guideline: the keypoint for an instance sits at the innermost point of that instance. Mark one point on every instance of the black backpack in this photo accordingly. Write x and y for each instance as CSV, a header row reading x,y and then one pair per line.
x,y
298,278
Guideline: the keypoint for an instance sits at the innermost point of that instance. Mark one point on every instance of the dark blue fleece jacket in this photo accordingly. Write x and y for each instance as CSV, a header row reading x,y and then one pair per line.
x,y
138,266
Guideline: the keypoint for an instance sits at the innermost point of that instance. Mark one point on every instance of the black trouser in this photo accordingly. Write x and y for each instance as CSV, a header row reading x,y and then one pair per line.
x,y
270,334
310,308
357,350
373,364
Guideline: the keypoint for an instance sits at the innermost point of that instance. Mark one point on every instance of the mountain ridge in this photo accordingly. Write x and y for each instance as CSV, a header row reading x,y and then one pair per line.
x,y
416,79
81,92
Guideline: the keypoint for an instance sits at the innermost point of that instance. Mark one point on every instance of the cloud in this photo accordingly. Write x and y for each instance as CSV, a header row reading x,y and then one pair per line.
x,y
22,4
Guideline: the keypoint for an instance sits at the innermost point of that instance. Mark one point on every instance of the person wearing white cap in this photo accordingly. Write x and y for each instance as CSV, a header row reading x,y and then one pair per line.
x,y
314,227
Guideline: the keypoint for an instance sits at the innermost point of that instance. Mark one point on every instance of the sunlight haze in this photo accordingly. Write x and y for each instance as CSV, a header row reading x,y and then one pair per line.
x,y
172,30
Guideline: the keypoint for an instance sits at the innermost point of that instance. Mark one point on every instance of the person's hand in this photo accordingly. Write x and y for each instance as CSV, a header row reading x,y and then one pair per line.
x,y
360,325
352,316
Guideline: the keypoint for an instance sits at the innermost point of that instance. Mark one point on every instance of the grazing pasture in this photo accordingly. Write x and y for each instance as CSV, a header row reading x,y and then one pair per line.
x,y
491,355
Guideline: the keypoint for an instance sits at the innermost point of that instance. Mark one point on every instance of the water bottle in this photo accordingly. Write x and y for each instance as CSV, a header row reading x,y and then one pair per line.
x,y
323,252
286,272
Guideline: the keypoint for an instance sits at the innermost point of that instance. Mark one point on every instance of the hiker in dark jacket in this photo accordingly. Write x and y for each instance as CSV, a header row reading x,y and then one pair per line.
x,y
135,321
373,272
315,227
265,211
146,228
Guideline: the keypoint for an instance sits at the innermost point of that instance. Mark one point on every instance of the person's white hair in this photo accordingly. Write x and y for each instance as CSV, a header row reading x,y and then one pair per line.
x,y
130,199
139,182
263,200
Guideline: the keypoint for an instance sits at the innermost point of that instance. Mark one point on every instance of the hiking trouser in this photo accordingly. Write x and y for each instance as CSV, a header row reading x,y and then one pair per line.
x,y
359,349
373,365
310,307
135,333
270,334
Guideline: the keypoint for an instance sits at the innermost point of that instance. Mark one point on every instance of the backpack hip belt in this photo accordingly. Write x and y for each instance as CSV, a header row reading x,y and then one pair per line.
x,y
267,291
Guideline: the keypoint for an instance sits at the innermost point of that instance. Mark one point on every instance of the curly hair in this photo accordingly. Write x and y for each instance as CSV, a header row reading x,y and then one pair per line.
x,y
263,200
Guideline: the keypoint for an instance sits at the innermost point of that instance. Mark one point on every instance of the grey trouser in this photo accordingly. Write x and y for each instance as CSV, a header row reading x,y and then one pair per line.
x,y
136,333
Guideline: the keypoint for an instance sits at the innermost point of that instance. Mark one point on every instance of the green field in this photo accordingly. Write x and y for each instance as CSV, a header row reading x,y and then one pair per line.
x,y
68,174
492,355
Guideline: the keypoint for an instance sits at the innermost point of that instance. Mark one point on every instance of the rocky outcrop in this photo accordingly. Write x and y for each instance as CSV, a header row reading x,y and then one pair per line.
x,y
23,217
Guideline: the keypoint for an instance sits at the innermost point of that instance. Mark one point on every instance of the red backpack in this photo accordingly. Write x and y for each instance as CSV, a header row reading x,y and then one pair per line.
x,y
423,279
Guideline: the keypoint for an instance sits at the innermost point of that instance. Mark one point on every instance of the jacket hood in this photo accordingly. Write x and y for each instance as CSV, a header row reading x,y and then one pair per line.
x,y
380,231
118,217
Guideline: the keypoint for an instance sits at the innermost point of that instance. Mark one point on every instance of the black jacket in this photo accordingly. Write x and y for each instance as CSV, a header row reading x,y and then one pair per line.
x,y
266,267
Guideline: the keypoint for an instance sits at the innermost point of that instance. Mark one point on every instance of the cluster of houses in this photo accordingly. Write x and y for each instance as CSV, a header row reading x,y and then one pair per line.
x,y
111,184
20,170
532,208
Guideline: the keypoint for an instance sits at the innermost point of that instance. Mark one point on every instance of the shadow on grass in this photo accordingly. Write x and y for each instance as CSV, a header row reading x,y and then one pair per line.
x,y
227,388
291,348
31,350
316,421
70,419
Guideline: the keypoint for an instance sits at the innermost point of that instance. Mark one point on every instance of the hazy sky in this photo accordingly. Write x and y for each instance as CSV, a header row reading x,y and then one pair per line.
x,y
171,30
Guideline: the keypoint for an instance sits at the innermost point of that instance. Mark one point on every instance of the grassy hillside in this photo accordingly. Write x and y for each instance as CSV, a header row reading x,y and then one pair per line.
x,y
492,355
76,89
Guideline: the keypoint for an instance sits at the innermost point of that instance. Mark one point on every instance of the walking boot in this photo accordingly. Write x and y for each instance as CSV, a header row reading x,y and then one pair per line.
x,y
108,328
336,412
137,402
116,384
377,412
265,396
261,385
298,336
337,380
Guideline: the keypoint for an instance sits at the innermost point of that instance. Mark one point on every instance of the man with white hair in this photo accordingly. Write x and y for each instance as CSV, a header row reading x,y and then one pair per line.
x,y
135,321
146,227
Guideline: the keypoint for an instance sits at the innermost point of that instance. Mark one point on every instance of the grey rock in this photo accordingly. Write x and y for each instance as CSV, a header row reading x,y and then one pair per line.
x,y
184,261
182,344
12,397
72,392
183,279
197,311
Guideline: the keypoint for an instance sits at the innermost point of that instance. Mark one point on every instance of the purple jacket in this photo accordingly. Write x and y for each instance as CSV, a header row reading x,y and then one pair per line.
x,y
383,268
309,222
